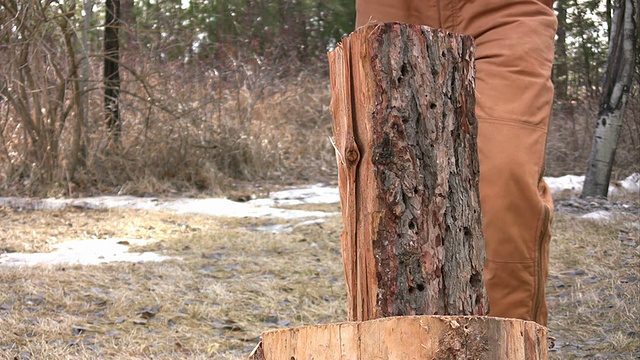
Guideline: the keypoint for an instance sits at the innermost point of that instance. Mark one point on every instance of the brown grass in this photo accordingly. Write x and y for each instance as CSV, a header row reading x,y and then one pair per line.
x,y
594,287
229,283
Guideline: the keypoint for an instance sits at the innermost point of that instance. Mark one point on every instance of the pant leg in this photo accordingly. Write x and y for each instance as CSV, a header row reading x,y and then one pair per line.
x,y
514,95
407,11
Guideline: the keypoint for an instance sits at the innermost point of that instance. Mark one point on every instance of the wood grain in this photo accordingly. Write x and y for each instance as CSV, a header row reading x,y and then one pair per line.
x,y
410,337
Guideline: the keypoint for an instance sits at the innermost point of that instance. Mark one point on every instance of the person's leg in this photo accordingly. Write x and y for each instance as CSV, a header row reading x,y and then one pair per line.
x,y
513,102
514,95
406,11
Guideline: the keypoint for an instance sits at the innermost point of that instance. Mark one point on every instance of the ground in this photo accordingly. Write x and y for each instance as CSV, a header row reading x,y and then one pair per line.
x,y
229,279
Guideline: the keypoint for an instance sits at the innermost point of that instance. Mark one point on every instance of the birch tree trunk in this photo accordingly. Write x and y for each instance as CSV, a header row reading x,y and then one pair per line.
x,y
615,90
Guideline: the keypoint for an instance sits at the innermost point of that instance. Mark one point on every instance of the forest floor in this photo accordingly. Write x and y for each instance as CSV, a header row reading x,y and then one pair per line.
x,y
225,280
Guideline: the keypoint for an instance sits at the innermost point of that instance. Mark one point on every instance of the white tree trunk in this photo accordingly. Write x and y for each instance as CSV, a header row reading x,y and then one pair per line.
x,y
615,90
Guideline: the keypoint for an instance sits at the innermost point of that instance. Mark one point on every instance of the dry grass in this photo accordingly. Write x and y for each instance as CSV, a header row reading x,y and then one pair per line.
x,y
185,130
230,283
594,287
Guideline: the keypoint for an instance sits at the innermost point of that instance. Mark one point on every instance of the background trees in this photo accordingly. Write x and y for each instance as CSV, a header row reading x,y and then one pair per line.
x,y
581,48
613,100
213,92
39,90
111,68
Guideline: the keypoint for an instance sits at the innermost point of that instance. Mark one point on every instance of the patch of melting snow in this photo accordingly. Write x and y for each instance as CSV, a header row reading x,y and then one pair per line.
x,y
314,194
92,252
574,183
571,183
280,228
109,250
259,208
84,252
598,215
631,184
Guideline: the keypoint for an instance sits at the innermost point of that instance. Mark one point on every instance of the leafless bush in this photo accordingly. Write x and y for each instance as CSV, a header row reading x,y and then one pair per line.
x,y
186,125
571,135
40,93
189,122
190,127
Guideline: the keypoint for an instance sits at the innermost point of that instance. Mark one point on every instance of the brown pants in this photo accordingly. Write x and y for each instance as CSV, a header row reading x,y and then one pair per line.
x,y
514,94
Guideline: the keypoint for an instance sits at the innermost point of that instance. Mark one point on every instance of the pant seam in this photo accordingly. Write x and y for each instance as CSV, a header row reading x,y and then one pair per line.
x,y
511,261
514,123
538,289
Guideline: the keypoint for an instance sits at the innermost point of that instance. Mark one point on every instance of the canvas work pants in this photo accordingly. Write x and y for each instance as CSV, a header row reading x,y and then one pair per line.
x,y
514,94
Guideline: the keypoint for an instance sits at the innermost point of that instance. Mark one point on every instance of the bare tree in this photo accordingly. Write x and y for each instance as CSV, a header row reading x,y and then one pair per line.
x,y
88,15
111,68
615,91
561,69
71,43
39,82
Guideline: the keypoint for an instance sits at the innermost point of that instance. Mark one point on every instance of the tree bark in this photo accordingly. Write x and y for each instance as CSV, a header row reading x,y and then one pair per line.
x,y
86,67
111,68
74,154
409,337
615,91
405,133
561,68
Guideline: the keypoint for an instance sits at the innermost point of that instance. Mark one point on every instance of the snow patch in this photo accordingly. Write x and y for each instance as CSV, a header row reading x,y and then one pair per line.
x,y
314,194
574,184
88,252
598,215
259,208
571,183
285,228
631,185
84,252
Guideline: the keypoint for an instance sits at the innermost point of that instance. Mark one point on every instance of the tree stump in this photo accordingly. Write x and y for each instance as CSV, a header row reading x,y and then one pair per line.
x,y
405,138
408,337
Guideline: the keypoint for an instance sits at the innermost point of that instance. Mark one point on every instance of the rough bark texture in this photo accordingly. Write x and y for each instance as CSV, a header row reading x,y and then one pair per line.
x,y
112,67
409,337
615,91
405,135
561,67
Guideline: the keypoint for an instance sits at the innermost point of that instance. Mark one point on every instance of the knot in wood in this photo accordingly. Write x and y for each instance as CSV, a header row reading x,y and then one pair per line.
x,y
353,155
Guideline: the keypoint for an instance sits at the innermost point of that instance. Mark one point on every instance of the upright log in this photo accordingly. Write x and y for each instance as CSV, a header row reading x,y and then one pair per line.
x,y
413,249
405,135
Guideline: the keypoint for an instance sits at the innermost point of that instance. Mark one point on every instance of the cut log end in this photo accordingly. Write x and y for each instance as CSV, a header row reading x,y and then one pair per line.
x,y
410,337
